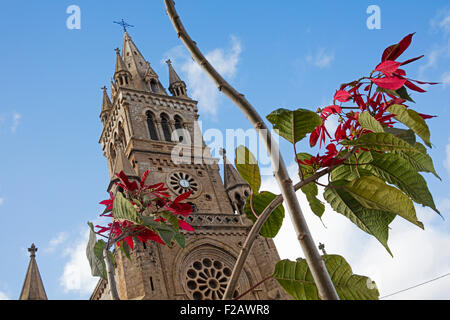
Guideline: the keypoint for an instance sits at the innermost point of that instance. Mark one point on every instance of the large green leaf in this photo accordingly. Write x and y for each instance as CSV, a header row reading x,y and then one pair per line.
x,y
381,141
297,280
370,123
311,191
180,239
294,125
373,222
412,120
166,232
420,160
406,135
94,253
354,167
397,171
123,209
247,167
260,202
374,193
171,218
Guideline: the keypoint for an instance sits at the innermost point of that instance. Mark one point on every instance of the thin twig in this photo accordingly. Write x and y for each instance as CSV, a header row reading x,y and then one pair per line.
x,y
253,288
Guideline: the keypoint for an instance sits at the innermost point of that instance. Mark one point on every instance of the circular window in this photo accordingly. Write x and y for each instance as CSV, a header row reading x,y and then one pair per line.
x,y
207,279
182,182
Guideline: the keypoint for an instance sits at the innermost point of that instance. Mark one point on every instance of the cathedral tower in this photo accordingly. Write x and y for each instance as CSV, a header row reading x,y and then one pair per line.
x,y
143,128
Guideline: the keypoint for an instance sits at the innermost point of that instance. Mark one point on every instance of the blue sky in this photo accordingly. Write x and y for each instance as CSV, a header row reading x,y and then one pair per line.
x,y
53,173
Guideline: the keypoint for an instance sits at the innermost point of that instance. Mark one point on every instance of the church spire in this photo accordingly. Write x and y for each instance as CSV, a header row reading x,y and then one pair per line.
x,y
177,86
106,105
144,77
33,288
122,76
236,187
120,65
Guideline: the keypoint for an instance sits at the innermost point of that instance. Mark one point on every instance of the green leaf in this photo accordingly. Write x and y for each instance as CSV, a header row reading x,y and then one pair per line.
x,y
166,235
412,120
351,171
372,193
406,135
370,123
420,147
125,249
306,169
373,222
294,125
297,280
173,220
381,141
94,253
247,166
401,93
166,232
420,160
311,191
260,202
123,209
397,171
181,240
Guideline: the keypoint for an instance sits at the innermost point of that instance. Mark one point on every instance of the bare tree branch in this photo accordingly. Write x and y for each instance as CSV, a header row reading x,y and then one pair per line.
x,y
314,259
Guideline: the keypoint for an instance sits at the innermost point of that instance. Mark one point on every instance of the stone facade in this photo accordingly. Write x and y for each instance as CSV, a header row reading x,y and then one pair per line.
x,y
146,126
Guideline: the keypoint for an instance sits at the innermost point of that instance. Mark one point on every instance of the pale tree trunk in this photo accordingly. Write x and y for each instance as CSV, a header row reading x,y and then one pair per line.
x,y
110,275
315,262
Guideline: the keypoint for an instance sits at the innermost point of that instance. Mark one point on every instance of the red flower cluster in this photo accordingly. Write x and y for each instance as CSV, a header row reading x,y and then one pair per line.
x,y
391,82
152,197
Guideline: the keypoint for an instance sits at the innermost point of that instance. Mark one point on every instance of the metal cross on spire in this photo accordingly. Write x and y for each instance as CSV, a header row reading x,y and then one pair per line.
x,y
32,250
123,24
322,248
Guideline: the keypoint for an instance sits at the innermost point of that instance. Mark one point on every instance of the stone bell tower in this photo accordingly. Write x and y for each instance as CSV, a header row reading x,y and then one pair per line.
x,y
146,128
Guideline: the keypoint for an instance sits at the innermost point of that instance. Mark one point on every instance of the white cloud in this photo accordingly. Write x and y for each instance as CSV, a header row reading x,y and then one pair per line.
x,y
200,86
321,58
16,120
441,22
77,272
2,201
418,255
447,159
446,79
3,296
55,242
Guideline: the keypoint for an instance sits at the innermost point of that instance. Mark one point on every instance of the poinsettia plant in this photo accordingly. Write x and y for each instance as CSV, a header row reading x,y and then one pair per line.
x,y
140,213
372,161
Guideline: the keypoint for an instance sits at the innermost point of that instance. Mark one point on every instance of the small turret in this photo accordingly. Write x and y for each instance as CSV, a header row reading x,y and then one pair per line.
x,y
106,106
236,187
177,86
122,76
33,288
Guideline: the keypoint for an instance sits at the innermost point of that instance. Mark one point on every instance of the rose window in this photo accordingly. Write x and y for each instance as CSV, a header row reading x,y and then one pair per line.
x,y
207,279
182,182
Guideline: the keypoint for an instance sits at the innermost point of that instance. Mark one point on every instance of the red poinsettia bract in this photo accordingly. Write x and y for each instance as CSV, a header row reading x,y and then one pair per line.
x,y
154,197
387,85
